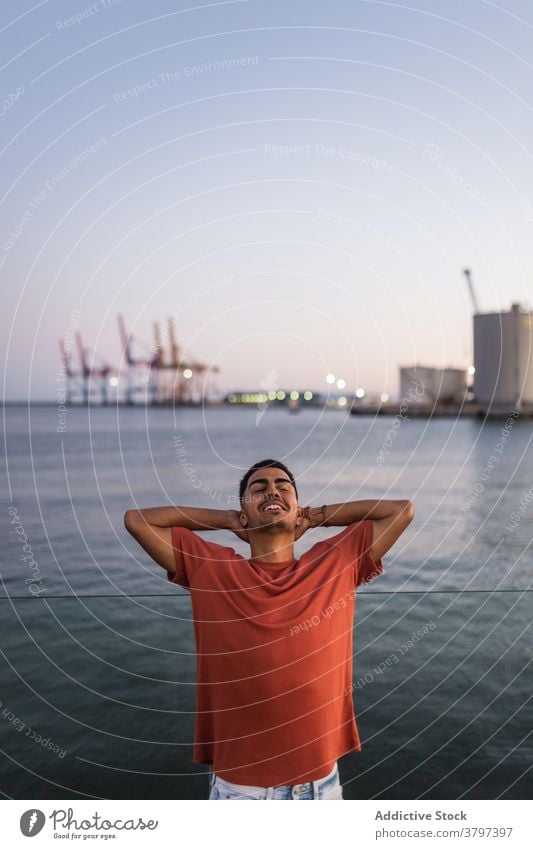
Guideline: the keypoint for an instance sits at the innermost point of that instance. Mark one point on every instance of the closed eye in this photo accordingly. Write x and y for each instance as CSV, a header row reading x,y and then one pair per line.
x,y
261,484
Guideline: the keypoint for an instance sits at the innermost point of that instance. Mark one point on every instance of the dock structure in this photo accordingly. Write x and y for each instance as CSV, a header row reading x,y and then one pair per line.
x,y
91,380
147,374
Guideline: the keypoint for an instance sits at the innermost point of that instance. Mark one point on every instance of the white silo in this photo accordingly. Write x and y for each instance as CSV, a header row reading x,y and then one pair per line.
x,y
418,383
429,385
503,358
451,385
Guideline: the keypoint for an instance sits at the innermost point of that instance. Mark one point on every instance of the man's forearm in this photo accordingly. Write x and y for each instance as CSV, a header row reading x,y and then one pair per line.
x,y
193,518
354,511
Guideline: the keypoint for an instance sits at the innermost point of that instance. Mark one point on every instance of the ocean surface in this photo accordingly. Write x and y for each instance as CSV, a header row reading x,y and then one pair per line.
x,y
97,648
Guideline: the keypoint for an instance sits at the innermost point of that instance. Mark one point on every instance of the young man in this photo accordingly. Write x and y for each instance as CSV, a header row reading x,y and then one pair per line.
x,y
274,707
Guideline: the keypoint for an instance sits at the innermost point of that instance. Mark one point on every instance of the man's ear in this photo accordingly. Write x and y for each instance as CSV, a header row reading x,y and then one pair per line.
x,y
299,516
243,519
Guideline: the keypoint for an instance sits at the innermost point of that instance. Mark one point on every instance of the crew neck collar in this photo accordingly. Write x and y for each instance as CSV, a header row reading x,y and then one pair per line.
x,y
277,564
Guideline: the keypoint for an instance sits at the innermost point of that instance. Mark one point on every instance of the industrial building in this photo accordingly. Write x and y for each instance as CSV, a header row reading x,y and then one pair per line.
x,y
503,367
503,360
428,386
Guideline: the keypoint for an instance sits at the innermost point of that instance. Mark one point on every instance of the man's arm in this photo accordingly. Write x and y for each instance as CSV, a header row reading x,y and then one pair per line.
x,y
390,518
152,528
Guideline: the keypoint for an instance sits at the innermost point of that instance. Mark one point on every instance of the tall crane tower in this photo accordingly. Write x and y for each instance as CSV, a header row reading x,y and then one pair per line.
x,y
142,370
186,378
91,373
147,371
70,375
467,273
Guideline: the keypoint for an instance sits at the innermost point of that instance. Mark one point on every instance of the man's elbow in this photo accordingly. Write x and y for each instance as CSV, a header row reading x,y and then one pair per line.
x,y
406,511
131,520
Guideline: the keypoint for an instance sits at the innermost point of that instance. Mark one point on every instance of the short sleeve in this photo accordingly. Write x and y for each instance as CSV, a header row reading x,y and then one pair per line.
x,y
355,542
190,552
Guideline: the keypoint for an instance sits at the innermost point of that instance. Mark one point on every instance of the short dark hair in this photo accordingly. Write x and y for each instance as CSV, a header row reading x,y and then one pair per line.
x,y
264,464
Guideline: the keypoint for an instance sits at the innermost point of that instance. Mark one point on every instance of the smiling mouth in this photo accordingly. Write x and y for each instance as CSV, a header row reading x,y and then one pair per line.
x,y
273,508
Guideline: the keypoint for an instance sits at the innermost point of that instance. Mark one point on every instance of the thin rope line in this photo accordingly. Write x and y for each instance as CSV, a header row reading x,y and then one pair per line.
x,y
187,595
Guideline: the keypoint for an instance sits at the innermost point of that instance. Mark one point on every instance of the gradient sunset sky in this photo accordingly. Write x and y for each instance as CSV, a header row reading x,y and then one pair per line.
x,y
300,184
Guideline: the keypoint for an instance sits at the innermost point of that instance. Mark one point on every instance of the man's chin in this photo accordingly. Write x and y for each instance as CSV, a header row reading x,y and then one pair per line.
x,y
280,523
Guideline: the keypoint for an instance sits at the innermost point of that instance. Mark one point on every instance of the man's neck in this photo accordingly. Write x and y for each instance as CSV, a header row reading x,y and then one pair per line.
x,y
272,547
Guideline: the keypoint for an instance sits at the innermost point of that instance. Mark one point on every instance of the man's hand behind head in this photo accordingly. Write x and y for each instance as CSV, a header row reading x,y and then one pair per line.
x,y
304,524
236,526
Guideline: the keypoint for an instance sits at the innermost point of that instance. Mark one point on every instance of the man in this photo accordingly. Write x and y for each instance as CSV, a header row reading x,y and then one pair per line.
x,y
274,706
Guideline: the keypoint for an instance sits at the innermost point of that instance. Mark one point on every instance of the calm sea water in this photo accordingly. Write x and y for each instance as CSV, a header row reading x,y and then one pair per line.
x,y
98,662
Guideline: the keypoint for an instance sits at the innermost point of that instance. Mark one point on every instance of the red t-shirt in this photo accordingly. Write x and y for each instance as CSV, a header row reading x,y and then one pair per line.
x,y
274,655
